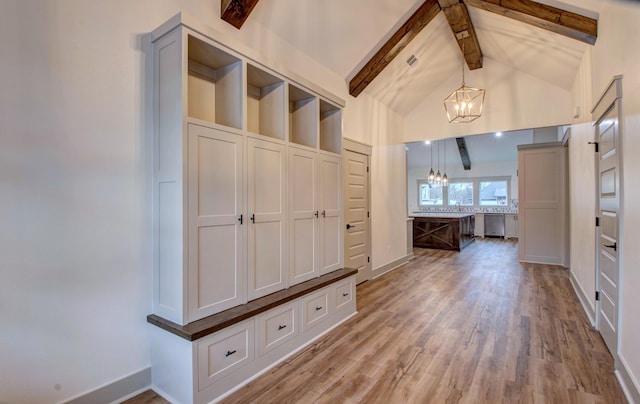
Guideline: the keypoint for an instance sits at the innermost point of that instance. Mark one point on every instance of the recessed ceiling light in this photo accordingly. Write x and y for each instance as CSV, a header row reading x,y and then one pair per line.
x,y
427,142
498,134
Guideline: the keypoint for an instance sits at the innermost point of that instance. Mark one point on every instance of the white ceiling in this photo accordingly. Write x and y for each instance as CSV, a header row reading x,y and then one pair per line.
x,y
486,148
343,34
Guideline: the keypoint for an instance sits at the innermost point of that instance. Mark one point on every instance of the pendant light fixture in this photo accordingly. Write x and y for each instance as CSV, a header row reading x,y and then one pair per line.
x,y
465,104
445,179
432,175
438,178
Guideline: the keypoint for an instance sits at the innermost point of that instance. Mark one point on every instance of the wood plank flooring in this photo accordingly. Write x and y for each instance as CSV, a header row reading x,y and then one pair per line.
x,y
453,327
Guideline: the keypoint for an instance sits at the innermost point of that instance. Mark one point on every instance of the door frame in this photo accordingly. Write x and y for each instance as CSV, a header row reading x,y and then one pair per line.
x,y
364,149
609,99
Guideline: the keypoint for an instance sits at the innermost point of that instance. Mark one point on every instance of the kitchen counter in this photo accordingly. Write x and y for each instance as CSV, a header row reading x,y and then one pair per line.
x,y
443,230
449,215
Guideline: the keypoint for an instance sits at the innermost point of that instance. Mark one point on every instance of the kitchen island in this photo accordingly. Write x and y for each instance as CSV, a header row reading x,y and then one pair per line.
x,y
444,231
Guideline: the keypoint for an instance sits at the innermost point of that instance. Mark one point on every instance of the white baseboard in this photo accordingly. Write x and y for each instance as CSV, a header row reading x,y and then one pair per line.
x,y
629,384
584,300
118,390
390,266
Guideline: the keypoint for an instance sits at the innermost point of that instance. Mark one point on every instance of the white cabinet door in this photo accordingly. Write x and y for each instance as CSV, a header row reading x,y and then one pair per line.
x,y
303,217
330,196
215,231
266,201
511,226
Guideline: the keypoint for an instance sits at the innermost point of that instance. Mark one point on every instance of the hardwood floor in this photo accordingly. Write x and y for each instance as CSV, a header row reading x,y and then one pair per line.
x,y
448,327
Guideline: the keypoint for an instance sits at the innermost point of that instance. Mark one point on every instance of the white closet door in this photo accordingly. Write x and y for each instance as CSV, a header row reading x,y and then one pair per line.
x,y
215,232
330,195
303,216
266,182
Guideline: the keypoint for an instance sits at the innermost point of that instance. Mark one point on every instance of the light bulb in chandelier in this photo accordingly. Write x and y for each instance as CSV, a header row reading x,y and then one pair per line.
x,y
438,177
432,175
445,180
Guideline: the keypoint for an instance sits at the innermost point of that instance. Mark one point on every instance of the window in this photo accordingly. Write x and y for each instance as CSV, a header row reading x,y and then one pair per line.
x,y
494,193
473,192
460,193
429,194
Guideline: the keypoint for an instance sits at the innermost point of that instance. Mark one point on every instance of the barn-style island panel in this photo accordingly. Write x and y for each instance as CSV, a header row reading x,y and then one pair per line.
x,y
445,231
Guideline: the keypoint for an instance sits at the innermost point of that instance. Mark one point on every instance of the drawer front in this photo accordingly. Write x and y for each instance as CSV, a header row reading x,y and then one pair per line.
x,y
315,307
277,326
345,293
223,352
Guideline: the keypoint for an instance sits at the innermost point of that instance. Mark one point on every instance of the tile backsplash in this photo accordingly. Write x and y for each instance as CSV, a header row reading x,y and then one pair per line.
x,y
513,208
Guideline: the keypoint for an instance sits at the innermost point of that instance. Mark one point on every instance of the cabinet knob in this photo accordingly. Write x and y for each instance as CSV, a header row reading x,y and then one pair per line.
x,y
345,294
324,213
229,353
280,327
316,214
318,308
350,226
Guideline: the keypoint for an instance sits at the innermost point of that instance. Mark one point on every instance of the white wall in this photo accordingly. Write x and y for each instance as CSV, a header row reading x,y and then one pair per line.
x,y
514,101
611,55
75,235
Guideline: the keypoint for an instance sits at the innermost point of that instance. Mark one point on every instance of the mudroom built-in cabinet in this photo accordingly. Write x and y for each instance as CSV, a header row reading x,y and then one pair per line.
x,y
248,218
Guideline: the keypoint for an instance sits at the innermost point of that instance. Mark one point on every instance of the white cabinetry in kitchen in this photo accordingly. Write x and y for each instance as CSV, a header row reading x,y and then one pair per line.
x,y
510,225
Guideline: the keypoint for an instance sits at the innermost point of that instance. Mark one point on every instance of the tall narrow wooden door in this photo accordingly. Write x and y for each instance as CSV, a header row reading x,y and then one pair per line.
x,y
330,196
266,183
215,221
303,215
608,246
356,244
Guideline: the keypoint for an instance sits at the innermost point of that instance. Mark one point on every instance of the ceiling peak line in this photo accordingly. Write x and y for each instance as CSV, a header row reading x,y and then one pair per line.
x,y
459,20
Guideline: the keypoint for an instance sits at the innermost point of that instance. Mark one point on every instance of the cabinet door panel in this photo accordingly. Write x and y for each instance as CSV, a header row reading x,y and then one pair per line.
x,y
215,235
267,263
303,221
330,193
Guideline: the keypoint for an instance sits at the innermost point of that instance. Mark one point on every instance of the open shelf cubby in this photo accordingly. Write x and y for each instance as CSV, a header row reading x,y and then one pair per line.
x,y
330,127
303,117
265,103
215,84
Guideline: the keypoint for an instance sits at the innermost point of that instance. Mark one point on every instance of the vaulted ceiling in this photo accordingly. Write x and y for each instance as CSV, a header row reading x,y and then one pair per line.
x,y
344,35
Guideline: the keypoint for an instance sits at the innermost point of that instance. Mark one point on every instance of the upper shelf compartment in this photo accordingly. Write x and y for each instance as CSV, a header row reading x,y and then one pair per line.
x,y
265,103
303,117
215,83
330,127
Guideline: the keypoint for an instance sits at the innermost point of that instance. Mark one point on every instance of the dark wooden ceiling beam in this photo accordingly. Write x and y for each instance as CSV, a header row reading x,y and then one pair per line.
x,y
464,153
458,18
236,12
398,41
553,19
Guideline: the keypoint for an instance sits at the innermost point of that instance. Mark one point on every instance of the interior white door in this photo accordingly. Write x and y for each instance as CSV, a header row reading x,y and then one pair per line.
x,y
303,215
608,242
330,196
215,231
266,184
356,244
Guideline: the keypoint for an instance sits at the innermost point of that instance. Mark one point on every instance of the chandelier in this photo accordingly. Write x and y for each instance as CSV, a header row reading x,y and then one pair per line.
x,y
464,105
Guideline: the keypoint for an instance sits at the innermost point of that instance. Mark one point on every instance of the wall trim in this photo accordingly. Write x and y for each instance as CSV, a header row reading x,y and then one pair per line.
x,y
355,146
388,267
584,300
118,390
630,386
